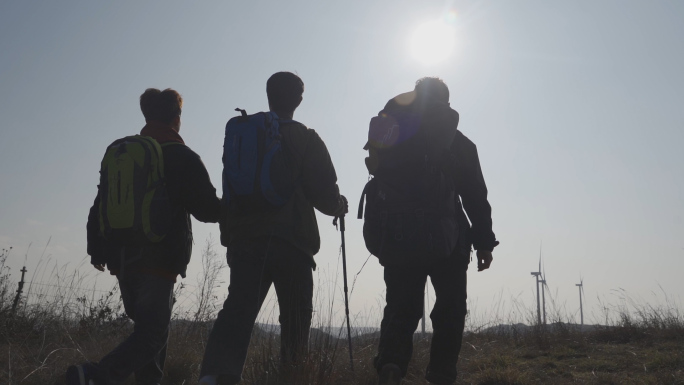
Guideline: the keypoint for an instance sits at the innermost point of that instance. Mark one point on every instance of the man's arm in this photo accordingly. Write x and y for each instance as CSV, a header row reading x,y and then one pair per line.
x,y
471,187
319,179
94,245
197,194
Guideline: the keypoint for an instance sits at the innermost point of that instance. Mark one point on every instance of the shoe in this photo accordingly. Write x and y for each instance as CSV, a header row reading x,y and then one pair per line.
x,y
81,374
390,374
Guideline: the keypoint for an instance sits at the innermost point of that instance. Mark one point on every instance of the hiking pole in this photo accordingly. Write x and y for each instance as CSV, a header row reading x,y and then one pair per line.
x,y
346,295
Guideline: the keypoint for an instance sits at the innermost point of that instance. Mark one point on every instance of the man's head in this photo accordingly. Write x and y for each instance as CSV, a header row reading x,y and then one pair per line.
x,y
284,91
432,87
162,106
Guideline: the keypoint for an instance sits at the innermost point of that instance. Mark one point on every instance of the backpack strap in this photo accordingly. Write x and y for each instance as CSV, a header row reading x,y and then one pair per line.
x,y
363,198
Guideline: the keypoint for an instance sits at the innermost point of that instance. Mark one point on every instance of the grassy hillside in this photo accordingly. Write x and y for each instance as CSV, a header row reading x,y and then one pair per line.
x,y
37,347
61,326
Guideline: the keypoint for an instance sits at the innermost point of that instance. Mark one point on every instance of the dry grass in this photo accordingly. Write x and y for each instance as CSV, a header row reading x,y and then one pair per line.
x,y
644,344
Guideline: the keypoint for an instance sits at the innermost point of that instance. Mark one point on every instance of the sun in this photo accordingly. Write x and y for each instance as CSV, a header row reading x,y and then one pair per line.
x,y
433,42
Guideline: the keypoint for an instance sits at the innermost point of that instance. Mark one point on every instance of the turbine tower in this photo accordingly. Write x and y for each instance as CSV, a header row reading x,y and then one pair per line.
x,y
581,291
540,279
536,275
543,283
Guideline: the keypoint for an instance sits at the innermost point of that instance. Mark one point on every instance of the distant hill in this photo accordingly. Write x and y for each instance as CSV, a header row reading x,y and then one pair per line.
x,y
522,328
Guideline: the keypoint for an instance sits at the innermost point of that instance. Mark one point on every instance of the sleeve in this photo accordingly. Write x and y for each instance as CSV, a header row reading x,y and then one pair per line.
x,y
197,193
319,179
471,187
95,247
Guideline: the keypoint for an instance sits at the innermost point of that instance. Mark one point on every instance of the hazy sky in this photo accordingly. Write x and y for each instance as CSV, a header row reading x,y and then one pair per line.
x,y
577,108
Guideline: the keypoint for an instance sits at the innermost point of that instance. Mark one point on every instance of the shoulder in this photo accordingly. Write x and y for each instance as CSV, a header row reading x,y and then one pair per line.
x,y
299,132
462,141
176,152
293,125
176,148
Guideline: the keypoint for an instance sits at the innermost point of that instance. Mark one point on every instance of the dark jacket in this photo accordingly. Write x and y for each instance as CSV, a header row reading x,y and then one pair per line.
x,y
471,190
471,187
316,187
191,192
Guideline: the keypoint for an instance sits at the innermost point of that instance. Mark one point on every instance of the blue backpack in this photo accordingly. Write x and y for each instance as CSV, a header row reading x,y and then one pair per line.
x,y
257,176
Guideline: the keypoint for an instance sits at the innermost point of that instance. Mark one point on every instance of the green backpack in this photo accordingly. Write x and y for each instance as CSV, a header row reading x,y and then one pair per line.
x,y
134,201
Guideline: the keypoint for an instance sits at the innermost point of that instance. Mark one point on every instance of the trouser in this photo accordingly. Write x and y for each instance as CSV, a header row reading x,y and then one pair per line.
x,y
404,309
254,266
148,300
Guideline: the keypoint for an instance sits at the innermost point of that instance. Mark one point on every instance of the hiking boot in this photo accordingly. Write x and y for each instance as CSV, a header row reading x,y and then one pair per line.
x,y
390,374
82,374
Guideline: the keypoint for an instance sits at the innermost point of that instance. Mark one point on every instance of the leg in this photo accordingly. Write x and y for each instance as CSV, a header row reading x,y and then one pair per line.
x,y
448,320
148,300
293,280
404,309
152,369
226,349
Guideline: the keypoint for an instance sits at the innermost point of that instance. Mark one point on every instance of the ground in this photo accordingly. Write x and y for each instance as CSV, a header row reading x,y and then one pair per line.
x,y
38,353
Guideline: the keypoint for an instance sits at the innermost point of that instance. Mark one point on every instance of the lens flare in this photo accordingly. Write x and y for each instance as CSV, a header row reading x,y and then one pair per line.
x,y
450,17
433,41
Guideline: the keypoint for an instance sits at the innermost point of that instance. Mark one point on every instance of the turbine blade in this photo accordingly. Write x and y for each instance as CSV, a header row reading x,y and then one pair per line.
x,y
540,255
539,267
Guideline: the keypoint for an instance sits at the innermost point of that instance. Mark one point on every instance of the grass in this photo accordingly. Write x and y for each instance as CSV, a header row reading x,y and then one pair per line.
x,y
642,343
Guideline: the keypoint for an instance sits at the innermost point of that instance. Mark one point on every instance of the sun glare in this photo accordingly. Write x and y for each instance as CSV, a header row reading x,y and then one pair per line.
x,y
433,42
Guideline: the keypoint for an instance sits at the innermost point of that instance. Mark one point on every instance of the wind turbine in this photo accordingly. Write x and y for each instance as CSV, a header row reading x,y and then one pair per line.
x,y
543,283
536,275
540,279
581,291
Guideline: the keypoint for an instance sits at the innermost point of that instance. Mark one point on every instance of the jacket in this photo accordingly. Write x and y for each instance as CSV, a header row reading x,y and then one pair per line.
x,y
475,229
190,192
472,190
316,188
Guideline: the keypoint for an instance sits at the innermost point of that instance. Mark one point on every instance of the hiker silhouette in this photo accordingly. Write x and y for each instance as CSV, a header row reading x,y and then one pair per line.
x,y
270,228
139,227
425,173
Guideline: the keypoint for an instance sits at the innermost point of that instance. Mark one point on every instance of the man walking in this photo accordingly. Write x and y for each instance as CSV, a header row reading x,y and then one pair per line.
x,y
142,233
274,245
416,226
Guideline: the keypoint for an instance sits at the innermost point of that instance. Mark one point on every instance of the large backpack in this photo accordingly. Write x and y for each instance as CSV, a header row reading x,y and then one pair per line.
x,y
410,215
257,175
134,202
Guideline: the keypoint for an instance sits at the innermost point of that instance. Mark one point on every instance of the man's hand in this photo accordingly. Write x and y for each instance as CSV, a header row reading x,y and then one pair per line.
x,y
343,207
99,267
484,259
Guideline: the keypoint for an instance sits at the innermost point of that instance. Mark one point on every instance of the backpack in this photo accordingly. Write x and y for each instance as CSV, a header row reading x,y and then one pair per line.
x,y
134,202
410,214
257,175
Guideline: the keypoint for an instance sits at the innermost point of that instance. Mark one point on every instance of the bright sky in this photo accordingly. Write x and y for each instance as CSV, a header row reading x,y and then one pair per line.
x,y
576,108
